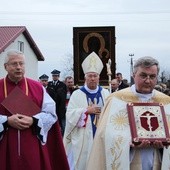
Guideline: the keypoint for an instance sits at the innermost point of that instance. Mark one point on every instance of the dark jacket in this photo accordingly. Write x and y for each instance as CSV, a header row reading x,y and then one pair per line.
x,y
58,93
122,86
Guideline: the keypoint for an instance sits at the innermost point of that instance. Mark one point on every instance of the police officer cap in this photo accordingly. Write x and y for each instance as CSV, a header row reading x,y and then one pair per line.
x,y
43,77
55,72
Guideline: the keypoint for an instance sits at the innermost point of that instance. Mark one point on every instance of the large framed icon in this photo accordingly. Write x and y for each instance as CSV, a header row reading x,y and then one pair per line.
x,y
101,40
148,121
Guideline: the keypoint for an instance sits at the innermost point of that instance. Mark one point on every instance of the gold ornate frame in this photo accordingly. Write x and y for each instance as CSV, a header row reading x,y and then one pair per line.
x,y
101,40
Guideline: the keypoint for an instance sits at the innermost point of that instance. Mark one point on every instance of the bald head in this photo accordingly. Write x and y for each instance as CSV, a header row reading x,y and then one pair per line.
x,y
114,84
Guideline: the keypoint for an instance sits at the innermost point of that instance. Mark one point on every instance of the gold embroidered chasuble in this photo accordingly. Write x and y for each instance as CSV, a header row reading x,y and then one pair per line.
x,y
111,147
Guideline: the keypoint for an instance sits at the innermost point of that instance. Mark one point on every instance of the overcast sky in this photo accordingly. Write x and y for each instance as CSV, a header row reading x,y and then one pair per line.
x,y
142,27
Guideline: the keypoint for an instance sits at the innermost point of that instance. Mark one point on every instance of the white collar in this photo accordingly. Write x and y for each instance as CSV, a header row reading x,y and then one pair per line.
x,y
91,91
142,97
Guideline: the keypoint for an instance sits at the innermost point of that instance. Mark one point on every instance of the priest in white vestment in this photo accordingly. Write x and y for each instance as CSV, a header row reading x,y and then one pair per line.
x,y
82,114
112,147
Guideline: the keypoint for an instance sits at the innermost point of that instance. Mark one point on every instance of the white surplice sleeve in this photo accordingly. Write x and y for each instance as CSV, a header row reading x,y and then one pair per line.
x,y
3,125
46,118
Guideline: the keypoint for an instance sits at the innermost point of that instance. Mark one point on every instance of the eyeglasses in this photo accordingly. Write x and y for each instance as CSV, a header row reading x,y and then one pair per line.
x,y
92,75
15,64
146,76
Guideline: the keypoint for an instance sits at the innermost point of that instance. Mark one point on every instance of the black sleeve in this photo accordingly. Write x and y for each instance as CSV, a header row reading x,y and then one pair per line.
x,y
36,129
5,125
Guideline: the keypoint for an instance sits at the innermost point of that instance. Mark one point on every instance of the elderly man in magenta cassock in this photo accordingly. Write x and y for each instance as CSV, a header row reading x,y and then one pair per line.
x,y
30,138
113,148
82,114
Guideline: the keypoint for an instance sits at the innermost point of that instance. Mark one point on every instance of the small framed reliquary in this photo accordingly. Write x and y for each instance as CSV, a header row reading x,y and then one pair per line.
x,y
148,122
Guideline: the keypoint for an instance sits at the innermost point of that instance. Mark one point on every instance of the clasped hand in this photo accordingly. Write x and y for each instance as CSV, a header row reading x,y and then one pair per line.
x,y
20,122
93,109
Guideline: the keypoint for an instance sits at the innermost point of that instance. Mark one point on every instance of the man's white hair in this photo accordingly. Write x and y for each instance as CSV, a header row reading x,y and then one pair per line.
x,y
12,52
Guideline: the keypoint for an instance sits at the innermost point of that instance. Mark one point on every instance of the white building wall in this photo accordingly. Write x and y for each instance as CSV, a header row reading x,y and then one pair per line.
x,y
31,63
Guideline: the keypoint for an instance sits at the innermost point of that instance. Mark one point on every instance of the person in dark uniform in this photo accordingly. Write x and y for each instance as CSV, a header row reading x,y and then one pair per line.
x,y
58,90
44,80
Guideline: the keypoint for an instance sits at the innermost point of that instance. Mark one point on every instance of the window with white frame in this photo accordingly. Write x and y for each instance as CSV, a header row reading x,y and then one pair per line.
x,y
21,46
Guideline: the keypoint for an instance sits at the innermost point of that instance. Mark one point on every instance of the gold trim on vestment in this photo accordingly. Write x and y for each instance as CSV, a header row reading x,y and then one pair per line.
x,y
5,87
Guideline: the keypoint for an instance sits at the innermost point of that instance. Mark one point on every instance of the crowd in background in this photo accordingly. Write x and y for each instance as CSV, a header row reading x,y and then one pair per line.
x,y
162,87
